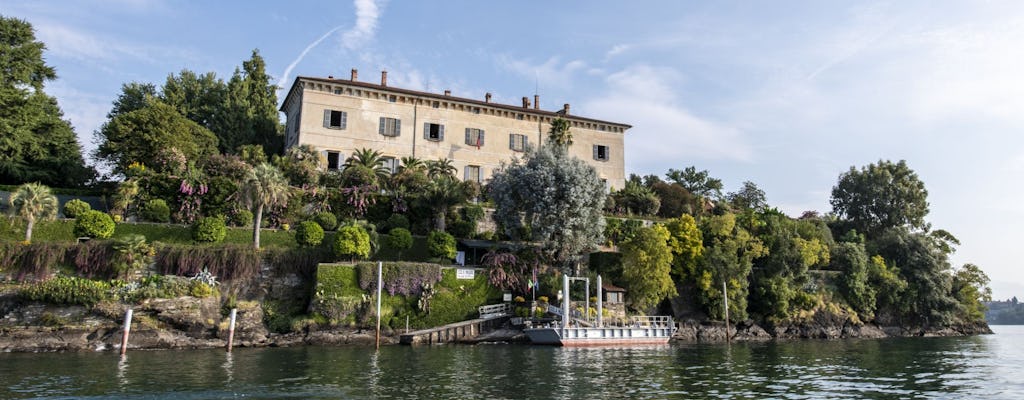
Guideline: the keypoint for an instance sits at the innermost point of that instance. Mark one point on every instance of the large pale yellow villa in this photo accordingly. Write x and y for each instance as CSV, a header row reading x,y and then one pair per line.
x,y
339,116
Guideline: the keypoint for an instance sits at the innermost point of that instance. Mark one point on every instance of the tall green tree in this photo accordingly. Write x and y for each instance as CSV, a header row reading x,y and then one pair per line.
x,y
140,136
264,186
970,288
33,202
559,135
443,193
881,196
749,197
646,263
556,198
249,109
925,267
699,183
729,252
37,144
198,97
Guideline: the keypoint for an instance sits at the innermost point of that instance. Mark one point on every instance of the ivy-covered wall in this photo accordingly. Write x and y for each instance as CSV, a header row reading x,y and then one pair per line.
x,y
428,294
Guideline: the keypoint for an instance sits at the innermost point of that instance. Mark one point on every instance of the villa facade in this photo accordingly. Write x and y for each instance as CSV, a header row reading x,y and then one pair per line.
x,y
339,116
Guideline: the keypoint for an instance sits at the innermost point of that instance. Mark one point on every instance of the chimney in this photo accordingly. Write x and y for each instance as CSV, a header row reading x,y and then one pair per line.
x,y
487,97
526,102
565,109
383,78
330,76
447,92
355,74
536,102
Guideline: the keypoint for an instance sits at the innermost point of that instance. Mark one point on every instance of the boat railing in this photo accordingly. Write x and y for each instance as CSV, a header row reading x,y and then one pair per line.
x,y
652,320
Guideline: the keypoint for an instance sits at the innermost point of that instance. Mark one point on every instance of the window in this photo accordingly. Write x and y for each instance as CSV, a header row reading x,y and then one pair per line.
x,y
519,117
600,152
333,160
475,137
337,91
475,110
433,132
436,104
390,126
390,163
516,142
474,173
392,98
334,119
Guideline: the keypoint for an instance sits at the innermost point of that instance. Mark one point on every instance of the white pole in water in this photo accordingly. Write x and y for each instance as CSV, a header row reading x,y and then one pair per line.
x,y
600,302
127,330
380,288
725,296
566,314
231,329
586,309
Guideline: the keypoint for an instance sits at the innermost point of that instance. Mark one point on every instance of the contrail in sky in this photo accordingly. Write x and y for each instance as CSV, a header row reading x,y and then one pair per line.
x,y
288,71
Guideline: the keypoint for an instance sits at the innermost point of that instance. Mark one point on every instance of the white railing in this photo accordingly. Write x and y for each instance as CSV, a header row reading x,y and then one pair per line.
x,y
495,310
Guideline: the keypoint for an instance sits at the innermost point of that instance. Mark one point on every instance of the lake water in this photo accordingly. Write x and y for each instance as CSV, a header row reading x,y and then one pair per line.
x,y
990,366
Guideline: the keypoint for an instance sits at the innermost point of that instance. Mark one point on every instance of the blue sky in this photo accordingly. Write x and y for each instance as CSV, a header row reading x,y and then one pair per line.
x,y
786,94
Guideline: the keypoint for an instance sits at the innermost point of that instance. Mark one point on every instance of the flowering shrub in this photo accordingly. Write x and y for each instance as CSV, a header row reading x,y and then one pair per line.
x,y
400,278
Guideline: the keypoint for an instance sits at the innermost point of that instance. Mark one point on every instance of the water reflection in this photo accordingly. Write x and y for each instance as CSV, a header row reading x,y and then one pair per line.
x,y
977,367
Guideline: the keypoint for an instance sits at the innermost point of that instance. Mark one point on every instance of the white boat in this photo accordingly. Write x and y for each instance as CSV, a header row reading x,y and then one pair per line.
x,y
641,330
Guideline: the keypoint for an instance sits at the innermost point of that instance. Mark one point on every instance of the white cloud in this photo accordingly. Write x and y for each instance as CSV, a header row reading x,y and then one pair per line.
x,y
367,13
664,131
63,40
552,73
86,111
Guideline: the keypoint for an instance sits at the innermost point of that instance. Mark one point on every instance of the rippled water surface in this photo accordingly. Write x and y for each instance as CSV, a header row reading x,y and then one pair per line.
x,y
990,366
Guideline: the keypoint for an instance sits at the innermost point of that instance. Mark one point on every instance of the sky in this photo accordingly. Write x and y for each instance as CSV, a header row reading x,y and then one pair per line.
x,y
785,94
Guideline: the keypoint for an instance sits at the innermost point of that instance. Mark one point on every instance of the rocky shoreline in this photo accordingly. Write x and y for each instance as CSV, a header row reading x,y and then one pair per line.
x,y
190,323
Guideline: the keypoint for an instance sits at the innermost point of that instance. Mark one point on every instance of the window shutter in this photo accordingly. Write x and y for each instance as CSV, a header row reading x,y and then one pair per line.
x,y
481,138
595,152
480,174
441,134
524,142
512,141
467,138
323,158
465,173
381,126
607,153
426,130
398,127
344,120
327,118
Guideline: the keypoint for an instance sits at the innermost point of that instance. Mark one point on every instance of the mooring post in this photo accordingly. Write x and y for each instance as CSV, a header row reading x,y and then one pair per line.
x,y
380,289
127,330
231,329
725,296
600,303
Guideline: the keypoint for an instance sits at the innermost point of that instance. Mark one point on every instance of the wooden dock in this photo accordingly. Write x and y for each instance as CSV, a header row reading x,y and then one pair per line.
x,y
491,317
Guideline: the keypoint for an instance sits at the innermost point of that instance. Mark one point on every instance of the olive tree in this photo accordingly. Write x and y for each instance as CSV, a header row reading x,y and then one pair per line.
x,y
553,199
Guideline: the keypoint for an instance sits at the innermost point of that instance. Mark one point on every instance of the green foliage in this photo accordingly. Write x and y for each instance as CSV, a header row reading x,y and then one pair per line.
x,y
398,239
675,200
646,263
881,196
264,187
970,288
441,245
140,136
697,182
75,207
729,251
327,220
209,230
351,241
133,253
687,245
925,267
852,260
156,210
462,229
749,197
621,230
565,218
67,290
309,233
397,221
94,224
241,218
38,144
635,199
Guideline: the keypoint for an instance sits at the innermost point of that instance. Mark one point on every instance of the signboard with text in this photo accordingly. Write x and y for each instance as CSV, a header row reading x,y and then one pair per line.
x,y
464,273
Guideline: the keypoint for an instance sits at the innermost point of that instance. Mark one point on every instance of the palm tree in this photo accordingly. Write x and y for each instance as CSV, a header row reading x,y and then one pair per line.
x,y
264,186
559,133
412,164
32,202
370,159
439,168
441,194
133,253
412,174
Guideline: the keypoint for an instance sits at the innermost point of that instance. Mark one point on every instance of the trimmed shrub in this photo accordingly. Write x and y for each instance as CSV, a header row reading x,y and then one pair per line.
x,y
309,233
156,210
462,229
352,242
241,218
326,220
397,221
94,224
75,207
209,230
441,245
398,239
